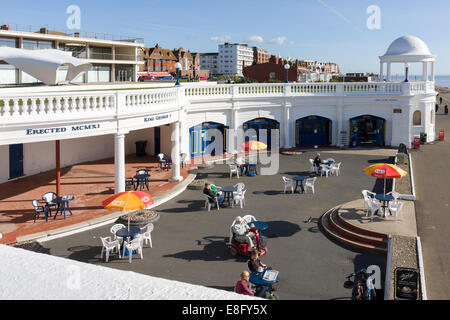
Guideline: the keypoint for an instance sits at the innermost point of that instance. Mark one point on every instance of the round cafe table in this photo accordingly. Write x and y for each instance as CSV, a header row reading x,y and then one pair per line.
x,y
260,225
125,234
384,198
297,180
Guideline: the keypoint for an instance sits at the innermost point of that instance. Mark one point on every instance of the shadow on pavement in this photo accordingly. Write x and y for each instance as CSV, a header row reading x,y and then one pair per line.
x,y
214,249
278,229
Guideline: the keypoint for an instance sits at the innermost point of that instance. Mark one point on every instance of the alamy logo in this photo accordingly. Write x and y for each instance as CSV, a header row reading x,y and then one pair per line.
x,y
74,20
374,20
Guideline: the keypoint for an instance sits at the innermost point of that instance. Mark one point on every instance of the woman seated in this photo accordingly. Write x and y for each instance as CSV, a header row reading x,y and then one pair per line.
x,y
254,263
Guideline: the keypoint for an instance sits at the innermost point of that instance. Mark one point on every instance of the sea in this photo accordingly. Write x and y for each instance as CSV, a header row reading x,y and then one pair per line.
x,y
440,81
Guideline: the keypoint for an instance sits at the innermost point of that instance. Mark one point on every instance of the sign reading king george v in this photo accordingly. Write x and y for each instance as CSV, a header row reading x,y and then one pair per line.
x,y
406,283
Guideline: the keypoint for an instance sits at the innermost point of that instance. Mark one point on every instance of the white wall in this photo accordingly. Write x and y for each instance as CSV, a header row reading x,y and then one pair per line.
x,y
75,151
139,135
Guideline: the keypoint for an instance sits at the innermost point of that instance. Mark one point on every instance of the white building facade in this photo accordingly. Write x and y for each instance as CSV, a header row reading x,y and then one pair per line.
x,y
233,57
93,123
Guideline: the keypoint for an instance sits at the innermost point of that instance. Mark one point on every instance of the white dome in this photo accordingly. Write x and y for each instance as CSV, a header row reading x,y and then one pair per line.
x,y
408,46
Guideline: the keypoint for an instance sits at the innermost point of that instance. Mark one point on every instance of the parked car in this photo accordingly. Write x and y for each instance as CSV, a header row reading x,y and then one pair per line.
x,y
146,78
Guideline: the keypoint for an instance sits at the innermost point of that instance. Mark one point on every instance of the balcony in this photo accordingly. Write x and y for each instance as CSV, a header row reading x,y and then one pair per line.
x,y
84,102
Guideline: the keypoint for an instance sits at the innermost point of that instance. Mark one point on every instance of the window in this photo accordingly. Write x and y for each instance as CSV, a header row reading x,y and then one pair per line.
x,y
100,53
100,73
78,51
37,44
417,118
8,42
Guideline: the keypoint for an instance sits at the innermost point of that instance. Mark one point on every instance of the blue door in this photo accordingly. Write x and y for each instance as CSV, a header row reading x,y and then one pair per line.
x,y
157,141
199,139
262,130
312,130
15,160
367,130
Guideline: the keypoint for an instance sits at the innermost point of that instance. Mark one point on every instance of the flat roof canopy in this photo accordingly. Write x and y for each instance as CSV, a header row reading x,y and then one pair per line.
x,y
44,64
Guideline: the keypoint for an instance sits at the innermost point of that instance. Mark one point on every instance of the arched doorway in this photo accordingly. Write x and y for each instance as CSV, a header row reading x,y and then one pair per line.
x,y
199,139
313,130
367,130
262,129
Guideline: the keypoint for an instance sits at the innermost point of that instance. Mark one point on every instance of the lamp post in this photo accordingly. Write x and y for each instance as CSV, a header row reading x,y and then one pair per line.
x,y
406,71
178,67
287,66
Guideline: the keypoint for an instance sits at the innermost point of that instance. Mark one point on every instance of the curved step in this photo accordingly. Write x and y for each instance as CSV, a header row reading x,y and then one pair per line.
x,y
359,230
352,234
330,229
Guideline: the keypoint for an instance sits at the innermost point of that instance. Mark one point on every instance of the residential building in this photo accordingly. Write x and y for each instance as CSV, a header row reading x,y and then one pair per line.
x,y
159,61
233,57
260,55
208,61
112,60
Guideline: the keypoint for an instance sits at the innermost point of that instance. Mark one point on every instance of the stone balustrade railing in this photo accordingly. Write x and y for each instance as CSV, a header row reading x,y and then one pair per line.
x,y
28,107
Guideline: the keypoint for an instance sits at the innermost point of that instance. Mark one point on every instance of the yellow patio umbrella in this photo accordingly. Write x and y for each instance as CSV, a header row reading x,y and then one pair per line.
x,y
254,145
385,170
127,201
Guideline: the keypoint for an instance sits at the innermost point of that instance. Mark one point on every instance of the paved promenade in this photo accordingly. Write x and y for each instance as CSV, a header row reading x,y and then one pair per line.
x,y
90,183
432,176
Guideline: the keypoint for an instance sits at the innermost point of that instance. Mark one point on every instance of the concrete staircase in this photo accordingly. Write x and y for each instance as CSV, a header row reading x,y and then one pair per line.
x,y
339,229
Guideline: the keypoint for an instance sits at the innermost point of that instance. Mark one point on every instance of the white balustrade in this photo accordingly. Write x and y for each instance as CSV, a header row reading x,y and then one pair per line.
x,y
67,105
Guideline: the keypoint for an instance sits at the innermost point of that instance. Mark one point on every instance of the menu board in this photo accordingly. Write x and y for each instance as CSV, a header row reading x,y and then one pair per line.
x,y
406,284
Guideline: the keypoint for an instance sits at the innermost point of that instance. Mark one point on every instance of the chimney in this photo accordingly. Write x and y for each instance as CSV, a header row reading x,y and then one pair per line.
x,y
43,31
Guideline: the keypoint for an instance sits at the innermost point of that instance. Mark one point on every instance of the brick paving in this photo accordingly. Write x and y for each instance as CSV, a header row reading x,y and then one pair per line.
x,y
89,182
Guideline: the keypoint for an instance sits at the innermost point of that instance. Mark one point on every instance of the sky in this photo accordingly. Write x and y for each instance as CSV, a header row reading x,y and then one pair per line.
x,y
322,30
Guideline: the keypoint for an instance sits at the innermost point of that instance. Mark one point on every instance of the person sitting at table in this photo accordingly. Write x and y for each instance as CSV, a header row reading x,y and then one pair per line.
x,y
211,195
242,284
242,232
254,263
318,162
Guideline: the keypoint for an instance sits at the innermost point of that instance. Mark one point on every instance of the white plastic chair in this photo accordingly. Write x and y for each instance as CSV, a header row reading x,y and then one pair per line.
x,y
162,159
395,194
335,168
368,195
324,169
248,218
240,197
135,244
239,187
234,169
395,207
288,183
374,205
109,246
209,204
309,183
183,158
116,228
147,234
313,166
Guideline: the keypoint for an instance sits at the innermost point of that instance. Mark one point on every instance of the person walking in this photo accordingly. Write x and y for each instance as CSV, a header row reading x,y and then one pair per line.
x,y
446,109
242,284
440,100
437,107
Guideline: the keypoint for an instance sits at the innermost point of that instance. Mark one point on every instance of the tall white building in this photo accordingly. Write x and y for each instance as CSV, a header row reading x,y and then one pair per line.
x,y
208,61
232,57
